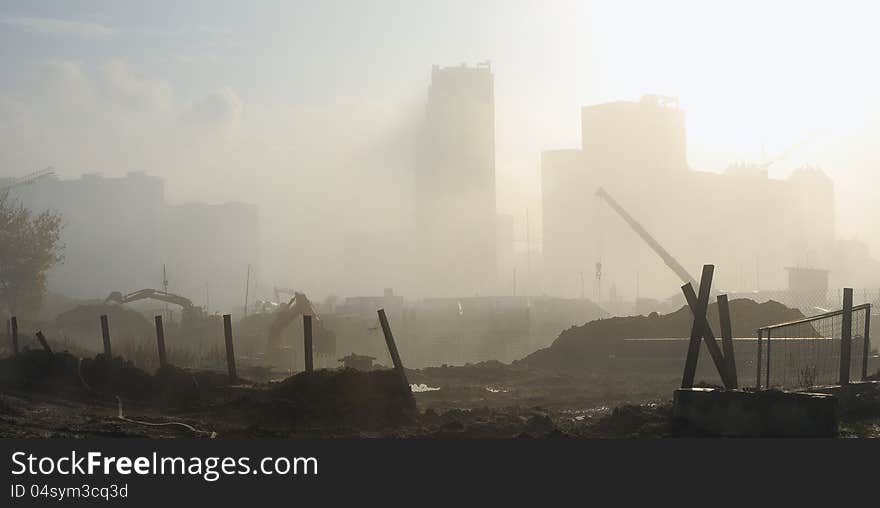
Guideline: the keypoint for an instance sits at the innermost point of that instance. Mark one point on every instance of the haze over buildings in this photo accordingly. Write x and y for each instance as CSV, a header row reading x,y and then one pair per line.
x,y
750,225
372,170
120,232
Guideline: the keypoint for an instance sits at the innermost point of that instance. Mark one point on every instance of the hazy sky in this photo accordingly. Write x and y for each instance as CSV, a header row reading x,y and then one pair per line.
x,y
261,101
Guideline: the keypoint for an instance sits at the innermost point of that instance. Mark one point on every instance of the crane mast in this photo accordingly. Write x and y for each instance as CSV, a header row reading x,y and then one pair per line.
x,y
667,258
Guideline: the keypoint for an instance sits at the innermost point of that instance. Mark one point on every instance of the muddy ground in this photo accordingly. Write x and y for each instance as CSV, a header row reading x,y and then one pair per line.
x,y
483,400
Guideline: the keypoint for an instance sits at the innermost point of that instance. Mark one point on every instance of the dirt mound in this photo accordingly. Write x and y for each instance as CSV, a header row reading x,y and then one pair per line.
x,y
84,322
584,345
370,398
63,373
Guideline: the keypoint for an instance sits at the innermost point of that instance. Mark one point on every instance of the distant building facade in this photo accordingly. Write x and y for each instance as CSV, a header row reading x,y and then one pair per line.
x,y
747,224
455,183
119,231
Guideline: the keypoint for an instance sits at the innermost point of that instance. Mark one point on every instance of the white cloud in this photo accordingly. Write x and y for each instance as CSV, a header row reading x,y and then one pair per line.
x,y
59,27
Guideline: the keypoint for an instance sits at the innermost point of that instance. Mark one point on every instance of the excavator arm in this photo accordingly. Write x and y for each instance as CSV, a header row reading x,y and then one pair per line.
x,y
151,294
296,307
667,258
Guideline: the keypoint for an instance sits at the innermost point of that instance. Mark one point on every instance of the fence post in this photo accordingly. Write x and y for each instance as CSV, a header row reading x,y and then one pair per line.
x,y
160,342
13,324
42,339
105,334
767,375
846,336
758,363
392,347
307,342
867,343
230,350
727,340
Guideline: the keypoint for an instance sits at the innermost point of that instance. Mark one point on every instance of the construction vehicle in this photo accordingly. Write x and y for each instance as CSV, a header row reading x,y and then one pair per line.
x,y
299,305
667,258
192,317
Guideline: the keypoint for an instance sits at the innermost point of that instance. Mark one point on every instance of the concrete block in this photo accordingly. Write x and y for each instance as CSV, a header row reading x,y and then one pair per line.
x,y
756,414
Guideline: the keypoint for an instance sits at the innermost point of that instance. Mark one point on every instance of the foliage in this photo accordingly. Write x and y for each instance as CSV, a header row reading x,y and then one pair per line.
x,y
29,246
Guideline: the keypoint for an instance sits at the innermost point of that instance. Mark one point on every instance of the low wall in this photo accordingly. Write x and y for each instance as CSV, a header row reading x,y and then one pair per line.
x,y
756,414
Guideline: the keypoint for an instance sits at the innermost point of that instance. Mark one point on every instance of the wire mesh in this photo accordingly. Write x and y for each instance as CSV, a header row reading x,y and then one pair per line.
x,y
807,353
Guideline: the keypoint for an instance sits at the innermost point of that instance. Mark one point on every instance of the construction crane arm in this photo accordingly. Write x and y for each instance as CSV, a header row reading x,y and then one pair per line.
x,y
152,294
667,258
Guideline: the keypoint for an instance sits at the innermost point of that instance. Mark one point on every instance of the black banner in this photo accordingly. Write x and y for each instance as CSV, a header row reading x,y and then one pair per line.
x,y
287,472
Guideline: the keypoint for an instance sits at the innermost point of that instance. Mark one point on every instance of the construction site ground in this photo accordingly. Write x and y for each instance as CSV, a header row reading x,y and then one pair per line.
x,y
489,400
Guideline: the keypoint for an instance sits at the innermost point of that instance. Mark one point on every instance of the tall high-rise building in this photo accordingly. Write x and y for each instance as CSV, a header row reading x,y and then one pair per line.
x,y
455,182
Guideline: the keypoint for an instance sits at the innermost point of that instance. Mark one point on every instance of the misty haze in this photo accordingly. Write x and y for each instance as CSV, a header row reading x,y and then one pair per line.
x,y
525,218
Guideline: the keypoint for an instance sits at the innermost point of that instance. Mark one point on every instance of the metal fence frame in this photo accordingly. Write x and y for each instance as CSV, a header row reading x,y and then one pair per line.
x,y
766,332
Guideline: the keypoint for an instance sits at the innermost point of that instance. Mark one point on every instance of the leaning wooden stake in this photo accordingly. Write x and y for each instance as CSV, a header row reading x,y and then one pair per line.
x,y
230,350
160,342
307,342
392,347
846,336
105,334
42,339
727,340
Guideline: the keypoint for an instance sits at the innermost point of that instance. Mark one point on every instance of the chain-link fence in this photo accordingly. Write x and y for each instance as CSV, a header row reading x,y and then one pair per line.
x,y
827,349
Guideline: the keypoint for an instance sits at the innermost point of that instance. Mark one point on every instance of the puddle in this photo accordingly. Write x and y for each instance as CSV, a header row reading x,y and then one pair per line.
x,y
422,388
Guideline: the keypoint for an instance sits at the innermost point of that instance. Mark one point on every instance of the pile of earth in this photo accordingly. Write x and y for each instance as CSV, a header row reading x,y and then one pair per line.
x,y
582,345
63,374
84,321
332,402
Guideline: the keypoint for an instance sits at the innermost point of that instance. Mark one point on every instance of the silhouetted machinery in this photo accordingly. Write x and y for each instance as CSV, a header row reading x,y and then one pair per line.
x,y
324,340
193,319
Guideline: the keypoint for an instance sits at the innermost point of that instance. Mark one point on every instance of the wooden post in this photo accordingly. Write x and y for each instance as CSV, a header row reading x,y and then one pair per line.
x,y
866,346
160,341
13,325
105,334
700,329
392,347
767,374
846,336
758,362
307,342
727,340
708,336
42,339
230,350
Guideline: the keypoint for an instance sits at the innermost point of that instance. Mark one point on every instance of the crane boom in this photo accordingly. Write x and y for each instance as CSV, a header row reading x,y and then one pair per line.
x,y
667,258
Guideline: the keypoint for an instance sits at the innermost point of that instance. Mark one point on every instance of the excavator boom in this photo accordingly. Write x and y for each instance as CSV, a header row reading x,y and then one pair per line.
x,y
667,258
152,294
